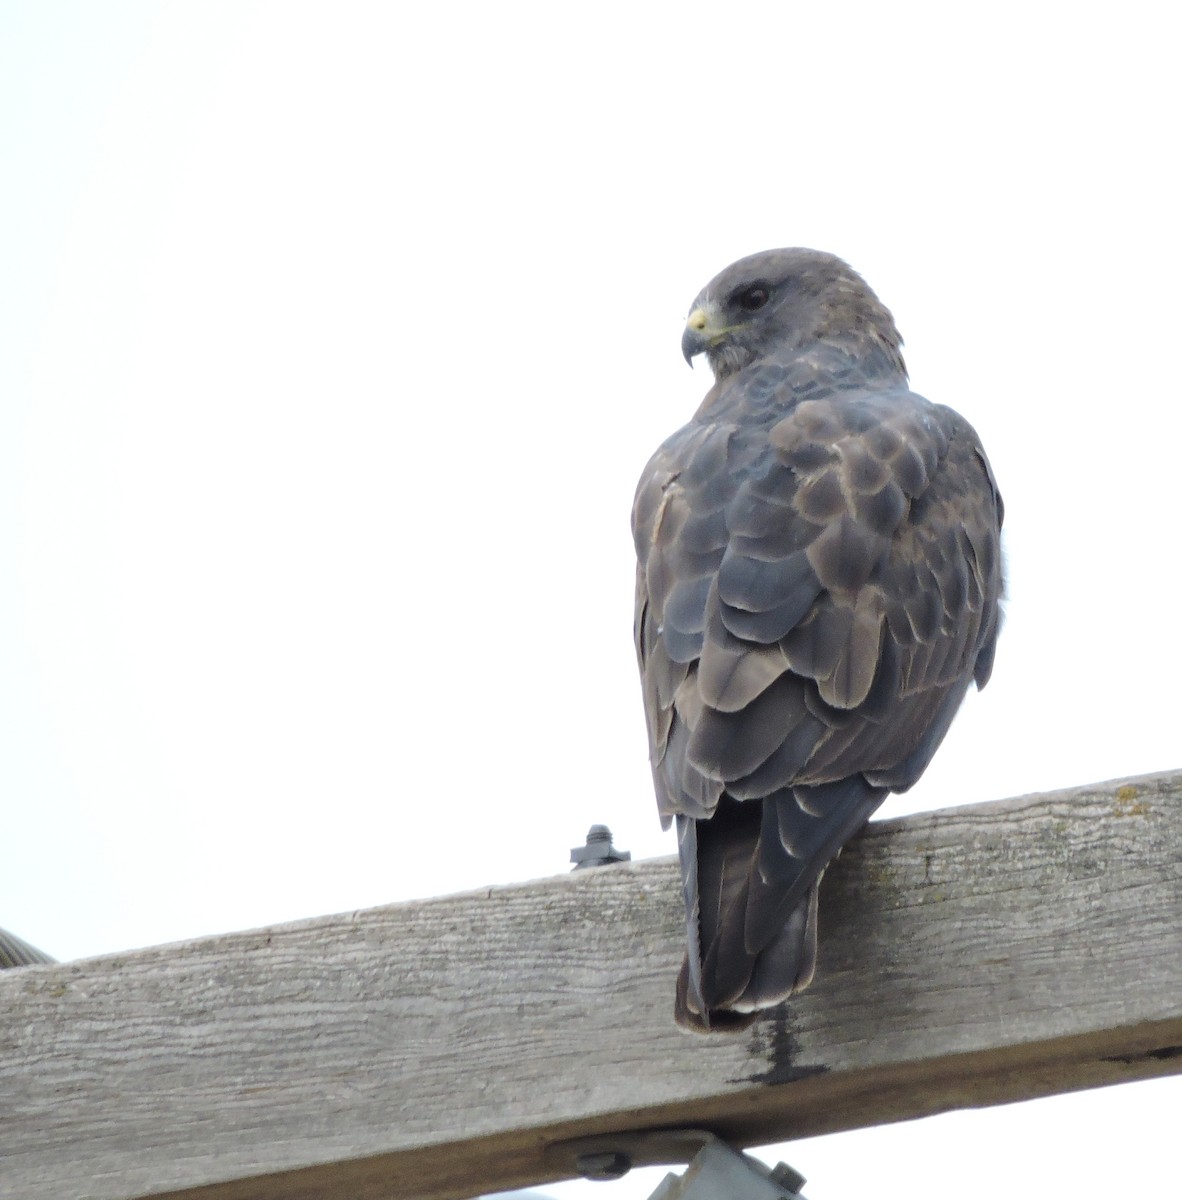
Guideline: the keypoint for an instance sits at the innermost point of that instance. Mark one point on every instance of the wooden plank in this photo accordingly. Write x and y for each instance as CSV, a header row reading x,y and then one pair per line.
x,y
436,1049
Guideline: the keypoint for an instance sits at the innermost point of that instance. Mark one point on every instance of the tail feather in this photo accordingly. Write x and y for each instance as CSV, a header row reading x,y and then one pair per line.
x,y
690,982
751,873
790,958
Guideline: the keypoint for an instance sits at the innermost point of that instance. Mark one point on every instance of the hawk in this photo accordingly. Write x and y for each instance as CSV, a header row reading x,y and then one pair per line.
x,y
819,581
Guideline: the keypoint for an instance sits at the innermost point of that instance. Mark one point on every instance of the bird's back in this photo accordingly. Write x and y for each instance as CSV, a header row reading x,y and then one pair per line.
x,y
818,582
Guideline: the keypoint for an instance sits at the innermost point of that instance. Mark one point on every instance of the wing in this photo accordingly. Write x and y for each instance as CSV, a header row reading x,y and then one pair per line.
x,y
814,596
804,607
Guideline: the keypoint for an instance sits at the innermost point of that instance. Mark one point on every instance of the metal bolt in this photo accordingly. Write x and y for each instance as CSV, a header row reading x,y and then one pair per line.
x,y
599,849
609,1164
789,1178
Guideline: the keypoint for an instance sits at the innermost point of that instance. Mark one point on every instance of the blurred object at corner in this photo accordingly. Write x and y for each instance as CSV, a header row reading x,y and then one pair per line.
x,y
15,952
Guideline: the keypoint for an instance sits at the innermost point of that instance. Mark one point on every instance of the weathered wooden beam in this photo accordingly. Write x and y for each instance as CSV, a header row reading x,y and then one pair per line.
x,y
437,1049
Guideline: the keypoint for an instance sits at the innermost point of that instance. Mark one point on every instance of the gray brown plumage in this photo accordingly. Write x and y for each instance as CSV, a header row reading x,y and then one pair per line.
x,y
818,583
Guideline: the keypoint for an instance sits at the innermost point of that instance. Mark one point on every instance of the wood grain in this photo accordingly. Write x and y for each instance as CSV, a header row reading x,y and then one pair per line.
x,y
436,1049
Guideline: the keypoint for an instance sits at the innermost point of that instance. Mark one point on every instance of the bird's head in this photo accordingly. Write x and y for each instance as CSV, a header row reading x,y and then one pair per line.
x,y
785,300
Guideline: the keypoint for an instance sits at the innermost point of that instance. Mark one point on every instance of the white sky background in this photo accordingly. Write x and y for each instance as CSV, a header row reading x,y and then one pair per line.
x,y
333,339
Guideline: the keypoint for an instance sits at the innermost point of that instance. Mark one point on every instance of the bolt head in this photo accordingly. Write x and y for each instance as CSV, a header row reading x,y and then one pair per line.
x,y
609,1164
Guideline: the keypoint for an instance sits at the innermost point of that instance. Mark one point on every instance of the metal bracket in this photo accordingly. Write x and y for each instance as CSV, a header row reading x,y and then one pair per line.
x,y
716,1169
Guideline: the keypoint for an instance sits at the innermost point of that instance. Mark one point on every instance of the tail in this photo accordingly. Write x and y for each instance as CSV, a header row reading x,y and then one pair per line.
x,y
750,875
783,967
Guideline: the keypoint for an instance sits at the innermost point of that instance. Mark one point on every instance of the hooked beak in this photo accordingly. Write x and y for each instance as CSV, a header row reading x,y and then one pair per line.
x,y
697,337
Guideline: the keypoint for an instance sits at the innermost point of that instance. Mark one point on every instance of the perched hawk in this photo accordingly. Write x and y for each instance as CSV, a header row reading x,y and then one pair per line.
x,y
818,584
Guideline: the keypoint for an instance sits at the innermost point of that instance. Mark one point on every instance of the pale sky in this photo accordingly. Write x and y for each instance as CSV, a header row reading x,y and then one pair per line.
x,y
333,339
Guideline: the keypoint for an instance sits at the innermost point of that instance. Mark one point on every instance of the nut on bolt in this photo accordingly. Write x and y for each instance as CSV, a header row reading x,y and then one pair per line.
x,y
607,1164
599,850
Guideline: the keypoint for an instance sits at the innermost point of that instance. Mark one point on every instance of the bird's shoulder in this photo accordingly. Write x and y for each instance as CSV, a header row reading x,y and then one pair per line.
x,y
820,434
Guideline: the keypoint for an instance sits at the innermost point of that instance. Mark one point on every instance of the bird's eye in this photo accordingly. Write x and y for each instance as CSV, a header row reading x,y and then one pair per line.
x,y
753,298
